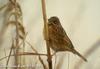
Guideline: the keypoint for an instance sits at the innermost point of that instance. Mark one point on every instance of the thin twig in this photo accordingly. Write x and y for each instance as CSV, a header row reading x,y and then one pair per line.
x,y
24,53
1,8
40,59
10,54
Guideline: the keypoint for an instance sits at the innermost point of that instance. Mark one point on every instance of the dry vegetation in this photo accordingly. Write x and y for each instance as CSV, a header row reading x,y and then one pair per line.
x,y
13,17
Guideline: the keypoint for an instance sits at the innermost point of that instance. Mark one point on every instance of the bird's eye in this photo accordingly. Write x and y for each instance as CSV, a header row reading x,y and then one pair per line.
x,y
54,22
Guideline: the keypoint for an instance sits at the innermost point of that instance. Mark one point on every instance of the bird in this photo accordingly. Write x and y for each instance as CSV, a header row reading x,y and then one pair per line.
x,y
58,39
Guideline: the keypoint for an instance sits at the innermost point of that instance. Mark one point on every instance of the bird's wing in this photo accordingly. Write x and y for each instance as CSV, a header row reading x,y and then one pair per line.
x,y
66,38
58,34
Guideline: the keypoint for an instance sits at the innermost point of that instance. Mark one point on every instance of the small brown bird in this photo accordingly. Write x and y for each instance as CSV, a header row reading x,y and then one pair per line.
x,y
58,39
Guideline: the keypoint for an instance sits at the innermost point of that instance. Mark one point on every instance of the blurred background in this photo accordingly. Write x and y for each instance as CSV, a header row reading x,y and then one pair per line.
x,y
81,21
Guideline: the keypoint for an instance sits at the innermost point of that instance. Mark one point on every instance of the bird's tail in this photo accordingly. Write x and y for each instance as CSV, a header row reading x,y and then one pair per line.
x,y
77,53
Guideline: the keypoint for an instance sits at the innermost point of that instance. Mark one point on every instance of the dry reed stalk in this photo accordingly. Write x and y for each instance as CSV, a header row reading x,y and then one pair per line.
x,y
46,34
10,54
1,8
13,9
16,15
24,53
19,28
13,5
17,36
40,59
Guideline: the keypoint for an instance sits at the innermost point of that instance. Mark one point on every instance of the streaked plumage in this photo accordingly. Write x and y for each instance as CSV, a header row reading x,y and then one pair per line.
x,y
59,41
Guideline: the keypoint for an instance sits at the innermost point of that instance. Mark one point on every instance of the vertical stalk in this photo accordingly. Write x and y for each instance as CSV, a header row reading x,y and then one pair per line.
x,y
46,34
17,36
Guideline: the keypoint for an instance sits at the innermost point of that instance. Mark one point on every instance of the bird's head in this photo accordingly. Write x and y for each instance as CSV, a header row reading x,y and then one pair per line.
x,y
54,20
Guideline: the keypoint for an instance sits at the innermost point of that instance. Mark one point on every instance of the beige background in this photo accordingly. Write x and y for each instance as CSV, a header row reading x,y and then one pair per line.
x,y
81,21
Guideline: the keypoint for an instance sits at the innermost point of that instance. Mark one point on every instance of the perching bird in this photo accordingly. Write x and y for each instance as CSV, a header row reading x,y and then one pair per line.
x,y
58,39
